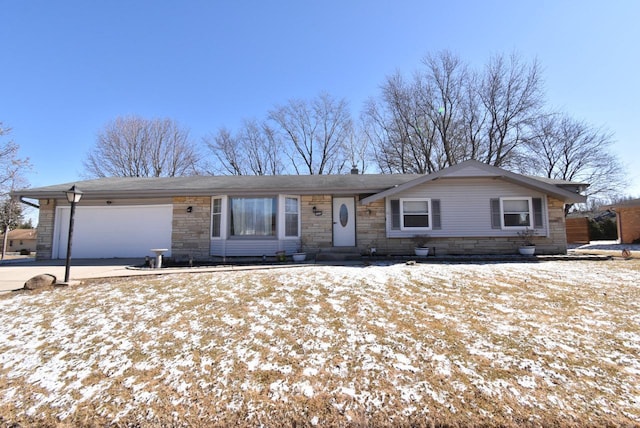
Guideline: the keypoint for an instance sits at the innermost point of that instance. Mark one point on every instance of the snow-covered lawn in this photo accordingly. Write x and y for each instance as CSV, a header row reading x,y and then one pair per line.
x,y
505,344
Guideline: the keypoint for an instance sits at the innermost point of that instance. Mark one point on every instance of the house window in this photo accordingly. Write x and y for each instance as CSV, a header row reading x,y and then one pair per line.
x,y
516,212
395,214
427,217
253,216
291,216
216,217
414,213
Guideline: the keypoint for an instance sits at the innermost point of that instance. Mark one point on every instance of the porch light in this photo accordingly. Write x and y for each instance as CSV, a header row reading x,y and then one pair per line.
x,y
73,196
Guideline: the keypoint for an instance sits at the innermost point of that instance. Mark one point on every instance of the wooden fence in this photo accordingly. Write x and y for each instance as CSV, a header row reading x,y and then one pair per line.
x,y
577,230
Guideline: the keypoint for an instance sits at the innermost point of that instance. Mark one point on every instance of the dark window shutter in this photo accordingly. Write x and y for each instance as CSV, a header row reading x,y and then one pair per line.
x,y
495,214
395,214
435,207
537,213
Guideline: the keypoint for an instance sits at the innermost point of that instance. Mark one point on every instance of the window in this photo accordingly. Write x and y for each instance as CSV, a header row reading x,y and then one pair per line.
x,y
216,217
253,216
395,214
414,213
516,213
291,208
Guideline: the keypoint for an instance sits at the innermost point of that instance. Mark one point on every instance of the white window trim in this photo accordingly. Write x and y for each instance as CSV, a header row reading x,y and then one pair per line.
x,y
223,218
402,226
280,218
281,222
516,198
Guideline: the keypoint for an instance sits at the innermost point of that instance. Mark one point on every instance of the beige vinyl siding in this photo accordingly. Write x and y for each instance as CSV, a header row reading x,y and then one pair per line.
x,y
465,208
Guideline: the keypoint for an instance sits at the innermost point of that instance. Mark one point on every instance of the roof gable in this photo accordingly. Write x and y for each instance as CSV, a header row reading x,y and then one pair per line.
x,y
476,169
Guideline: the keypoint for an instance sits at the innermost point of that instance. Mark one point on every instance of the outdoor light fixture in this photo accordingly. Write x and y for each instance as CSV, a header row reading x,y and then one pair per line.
x,y
189,209
73,196
316,211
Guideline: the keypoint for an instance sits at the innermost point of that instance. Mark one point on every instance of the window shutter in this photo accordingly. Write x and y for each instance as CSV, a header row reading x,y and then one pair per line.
x,y
435,208
495,214
537,213
395,214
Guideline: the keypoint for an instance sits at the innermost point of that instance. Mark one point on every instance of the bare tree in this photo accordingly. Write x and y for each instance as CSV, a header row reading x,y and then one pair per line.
x,y
401,135
358,149
253,151
227,150
12,170
262,148
511,94
136,147
568,149
449,114
315,132
441,89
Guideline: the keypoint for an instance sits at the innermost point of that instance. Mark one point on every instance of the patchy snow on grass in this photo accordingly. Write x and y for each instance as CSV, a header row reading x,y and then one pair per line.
x,y
553,341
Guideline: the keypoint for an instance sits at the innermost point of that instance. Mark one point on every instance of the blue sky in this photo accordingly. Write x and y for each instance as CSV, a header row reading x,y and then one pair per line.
x,y
69,67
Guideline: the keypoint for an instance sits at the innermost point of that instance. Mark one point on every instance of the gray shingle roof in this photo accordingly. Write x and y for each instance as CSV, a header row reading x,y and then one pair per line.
x,y
210,185
363,184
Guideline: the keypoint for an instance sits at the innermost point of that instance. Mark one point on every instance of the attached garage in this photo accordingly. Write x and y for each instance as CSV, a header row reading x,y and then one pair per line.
x,y
117,231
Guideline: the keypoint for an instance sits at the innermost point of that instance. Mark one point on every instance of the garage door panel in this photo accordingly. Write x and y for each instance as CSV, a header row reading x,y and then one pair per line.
x,y
107,232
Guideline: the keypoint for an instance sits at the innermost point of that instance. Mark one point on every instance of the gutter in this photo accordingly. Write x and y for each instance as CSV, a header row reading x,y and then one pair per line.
x,y
31,204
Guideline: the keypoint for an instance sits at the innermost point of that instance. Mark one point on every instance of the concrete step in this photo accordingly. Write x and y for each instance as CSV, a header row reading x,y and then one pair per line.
x,y
338,254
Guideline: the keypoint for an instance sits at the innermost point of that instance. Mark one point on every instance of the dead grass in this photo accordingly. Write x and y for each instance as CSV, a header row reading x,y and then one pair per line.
x,y
548,344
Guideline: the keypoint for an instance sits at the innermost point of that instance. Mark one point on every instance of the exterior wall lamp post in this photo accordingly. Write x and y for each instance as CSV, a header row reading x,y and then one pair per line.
x,y
73,196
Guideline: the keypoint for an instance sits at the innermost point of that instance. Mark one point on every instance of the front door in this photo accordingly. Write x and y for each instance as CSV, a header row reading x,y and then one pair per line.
x,y
344,222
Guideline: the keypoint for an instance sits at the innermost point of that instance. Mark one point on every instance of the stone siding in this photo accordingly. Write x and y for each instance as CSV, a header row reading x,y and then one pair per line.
x,y
46,221
317,231
370,227
190,237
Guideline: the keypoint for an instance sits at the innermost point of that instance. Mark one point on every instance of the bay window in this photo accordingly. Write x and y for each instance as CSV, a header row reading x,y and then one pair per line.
x,y
253,216
216,217
291,216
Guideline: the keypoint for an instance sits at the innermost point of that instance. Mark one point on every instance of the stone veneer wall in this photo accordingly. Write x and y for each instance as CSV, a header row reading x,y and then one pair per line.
x,y
190,236
46,221
371,227
317,231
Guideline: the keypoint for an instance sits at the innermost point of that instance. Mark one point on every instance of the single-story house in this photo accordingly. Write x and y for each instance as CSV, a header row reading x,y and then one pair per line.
x,y
21,239
628,219
468,208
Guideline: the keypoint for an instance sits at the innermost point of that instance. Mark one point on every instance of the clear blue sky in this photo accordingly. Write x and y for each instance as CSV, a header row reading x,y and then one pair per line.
x,y
69,67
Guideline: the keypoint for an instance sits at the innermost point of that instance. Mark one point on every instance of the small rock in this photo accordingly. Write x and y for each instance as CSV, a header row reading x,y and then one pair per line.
x,y
40,281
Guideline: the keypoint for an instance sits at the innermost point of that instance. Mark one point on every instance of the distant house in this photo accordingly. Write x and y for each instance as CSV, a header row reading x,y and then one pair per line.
x,y
628,219
469,208
21,239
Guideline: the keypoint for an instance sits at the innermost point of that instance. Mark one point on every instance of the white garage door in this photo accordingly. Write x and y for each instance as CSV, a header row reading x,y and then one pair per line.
x,y
107,232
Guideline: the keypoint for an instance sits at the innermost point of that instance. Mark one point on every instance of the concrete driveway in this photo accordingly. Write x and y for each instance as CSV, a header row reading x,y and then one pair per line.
x,y
14,273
